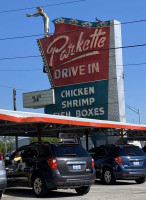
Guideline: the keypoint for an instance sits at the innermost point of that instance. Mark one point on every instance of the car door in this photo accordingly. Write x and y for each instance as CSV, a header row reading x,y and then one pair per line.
x,y
30,159
15,169
99,155
19,173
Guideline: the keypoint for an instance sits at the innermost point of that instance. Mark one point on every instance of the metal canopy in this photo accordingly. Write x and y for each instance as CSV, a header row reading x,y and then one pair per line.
x,y
16,123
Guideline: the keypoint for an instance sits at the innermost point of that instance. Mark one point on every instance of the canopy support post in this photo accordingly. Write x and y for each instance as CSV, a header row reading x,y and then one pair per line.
x,y
86,132
122,137
39,132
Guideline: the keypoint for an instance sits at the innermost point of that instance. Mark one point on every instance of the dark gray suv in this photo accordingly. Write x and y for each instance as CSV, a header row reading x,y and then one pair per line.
x,y
3,180
46,166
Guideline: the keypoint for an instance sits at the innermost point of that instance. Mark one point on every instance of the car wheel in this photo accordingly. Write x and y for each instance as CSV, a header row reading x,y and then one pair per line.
x,y
140,180
108,177
39,186
83,190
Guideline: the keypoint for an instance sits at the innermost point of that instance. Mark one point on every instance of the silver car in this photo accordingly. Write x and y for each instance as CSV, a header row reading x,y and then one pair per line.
x,y
3,180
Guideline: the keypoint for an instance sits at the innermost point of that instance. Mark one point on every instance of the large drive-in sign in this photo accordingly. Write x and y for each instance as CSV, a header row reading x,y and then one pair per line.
x,y
76,54
83,61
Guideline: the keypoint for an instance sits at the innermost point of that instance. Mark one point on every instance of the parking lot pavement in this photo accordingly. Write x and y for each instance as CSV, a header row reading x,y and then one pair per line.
x,y
127,190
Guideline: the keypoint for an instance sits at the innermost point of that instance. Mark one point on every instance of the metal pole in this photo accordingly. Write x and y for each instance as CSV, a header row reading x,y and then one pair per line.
x,y
136,111
39,132
122,137
86,132
14,104
14,99
139,116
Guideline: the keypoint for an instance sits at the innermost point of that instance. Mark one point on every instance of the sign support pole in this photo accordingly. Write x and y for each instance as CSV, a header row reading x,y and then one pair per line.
x,y
14,105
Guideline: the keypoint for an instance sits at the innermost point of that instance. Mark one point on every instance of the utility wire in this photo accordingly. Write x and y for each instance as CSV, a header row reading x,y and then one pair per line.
x,y
132,108
21,57
21,37
35,56
28,90
43,6
19,70
131,22
37,35
28,70
11,87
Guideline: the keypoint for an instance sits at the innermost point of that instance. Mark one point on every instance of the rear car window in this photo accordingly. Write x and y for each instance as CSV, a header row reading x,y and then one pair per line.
x,y
44,151
131,151
69,150
31,153
98,152
114,151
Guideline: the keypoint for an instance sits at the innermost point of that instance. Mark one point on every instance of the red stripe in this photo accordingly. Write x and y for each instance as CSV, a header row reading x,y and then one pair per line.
x,y
11,118
68,122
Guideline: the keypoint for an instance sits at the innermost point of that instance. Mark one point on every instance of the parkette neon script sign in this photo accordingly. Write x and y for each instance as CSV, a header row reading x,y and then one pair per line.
x,y
76,54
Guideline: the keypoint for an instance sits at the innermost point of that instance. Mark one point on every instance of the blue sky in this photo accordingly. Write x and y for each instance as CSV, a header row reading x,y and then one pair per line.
x,y
14,24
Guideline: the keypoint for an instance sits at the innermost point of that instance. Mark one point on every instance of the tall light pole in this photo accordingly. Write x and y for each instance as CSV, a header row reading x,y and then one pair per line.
x,y
137,111
139,116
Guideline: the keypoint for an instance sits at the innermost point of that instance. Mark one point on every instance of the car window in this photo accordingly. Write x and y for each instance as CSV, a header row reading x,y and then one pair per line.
x,y
45,151
97,153
101,152
131,151
17,156
92,152
69,150
31,153
114,151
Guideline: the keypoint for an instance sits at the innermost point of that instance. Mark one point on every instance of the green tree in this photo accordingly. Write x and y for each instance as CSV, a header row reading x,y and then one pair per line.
x,y
44,139
6,143
2,147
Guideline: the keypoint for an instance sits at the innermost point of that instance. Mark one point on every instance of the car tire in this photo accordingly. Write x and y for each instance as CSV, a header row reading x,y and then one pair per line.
x,y
39,186
108,177
82,190
140,180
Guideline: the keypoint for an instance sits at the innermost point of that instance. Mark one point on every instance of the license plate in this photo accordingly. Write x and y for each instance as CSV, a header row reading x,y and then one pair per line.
x,y
76,167
136,163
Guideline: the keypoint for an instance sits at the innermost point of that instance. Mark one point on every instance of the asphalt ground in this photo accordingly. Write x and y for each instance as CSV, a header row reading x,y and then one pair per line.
x,y
123,190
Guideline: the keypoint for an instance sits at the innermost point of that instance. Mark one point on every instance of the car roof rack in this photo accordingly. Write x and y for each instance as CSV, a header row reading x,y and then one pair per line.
x,y
41,142
64,142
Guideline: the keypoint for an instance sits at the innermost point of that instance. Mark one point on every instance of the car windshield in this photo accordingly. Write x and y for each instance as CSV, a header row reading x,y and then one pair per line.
x,y
69,150
131,151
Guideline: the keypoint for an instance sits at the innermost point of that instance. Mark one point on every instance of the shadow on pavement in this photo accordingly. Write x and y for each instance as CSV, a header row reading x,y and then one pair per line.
x,y
28,193
123,182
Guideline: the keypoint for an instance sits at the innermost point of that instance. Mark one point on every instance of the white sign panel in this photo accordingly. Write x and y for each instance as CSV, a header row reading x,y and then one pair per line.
x,y
38,99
